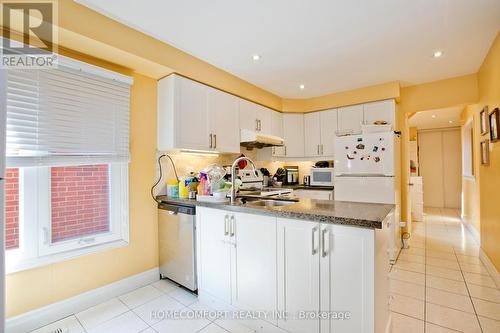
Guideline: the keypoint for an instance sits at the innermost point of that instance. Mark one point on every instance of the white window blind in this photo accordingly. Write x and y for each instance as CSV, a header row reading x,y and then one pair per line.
x,y
77,113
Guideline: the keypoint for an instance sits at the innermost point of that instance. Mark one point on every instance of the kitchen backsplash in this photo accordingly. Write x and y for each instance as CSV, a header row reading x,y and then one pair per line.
x,y
186,163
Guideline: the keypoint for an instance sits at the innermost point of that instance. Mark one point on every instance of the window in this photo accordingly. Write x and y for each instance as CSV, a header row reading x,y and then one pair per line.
x,y
468,149
66,188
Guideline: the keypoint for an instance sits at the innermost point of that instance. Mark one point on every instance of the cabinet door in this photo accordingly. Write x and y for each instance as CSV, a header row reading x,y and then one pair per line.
x,y
312,134
381,110
350,118
276,124
347,275
314,194
293,130
191,115
298,273
248,115
224,121
254,262
215,253
264,116
328,123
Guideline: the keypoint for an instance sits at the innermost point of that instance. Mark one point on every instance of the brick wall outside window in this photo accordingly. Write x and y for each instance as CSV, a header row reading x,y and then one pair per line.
x,y
11,208
80,201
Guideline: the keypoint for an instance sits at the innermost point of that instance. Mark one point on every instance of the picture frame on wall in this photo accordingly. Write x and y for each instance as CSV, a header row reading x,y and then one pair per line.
x,y
483,118
485,152
494,119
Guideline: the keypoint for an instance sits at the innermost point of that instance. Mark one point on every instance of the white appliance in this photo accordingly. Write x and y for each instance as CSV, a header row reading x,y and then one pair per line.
x,y
322,177
365,172
251,179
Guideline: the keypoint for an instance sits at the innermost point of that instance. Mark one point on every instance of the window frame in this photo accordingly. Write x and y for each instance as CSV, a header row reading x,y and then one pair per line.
x,y
35,221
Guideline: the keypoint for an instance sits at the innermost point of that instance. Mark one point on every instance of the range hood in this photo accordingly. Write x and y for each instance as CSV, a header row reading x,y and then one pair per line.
x,y
251,139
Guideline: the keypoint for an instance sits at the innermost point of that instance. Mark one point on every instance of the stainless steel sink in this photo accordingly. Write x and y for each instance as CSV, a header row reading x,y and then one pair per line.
x,y
270,203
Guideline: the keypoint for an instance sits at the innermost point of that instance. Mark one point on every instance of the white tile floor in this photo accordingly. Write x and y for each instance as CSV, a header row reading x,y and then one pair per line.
x,y
439,284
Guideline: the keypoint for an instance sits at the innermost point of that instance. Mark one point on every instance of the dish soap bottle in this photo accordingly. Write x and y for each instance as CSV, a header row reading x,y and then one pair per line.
x,y
183,189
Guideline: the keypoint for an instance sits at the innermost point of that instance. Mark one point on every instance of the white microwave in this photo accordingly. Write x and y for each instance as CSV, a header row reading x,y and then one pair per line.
x,y
321,176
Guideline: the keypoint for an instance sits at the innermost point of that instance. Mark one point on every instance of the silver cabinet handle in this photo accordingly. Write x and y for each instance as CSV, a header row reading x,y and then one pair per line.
x,y
231,226
260,125
210,140
324,241
321,149
215,140
313,241
256,124
226,225
274,151
317,149
285,150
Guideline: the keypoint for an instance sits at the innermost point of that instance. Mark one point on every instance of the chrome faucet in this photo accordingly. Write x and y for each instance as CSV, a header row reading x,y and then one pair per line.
x,y
233,175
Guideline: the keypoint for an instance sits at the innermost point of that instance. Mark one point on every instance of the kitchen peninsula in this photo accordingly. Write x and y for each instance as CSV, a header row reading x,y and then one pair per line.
x,y
300,260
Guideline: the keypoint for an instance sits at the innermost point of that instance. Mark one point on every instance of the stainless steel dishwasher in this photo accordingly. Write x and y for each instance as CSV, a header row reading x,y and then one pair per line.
x,y
177,243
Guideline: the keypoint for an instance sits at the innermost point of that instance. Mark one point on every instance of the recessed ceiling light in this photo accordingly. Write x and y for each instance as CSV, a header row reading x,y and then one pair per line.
x,y
302,87
438,54
433,116
451,121
256,57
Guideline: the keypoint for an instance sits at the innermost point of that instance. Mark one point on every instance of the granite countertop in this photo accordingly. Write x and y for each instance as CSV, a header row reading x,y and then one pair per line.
x,y
359,214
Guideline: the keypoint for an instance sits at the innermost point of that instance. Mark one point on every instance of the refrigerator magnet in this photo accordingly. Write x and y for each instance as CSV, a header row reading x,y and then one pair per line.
x,y
376,159
360,146
349,157
375,149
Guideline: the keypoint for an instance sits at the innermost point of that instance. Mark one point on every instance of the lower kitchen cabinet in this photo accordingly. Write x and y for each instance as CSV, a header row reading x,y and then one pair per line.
x,y
298,273
238,258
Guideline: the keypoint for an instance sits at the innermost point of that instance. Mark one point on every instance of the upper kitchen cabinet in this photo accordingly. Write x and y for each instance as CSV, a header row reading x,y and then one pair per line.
x,y
381,110
319,133
350,118
293,133
189,117
223,120
277,124
255,117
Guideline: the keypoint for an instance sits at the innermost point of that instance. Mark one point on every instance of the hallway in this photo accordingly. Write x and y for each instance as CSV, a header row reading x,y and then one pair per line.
x,y
439,284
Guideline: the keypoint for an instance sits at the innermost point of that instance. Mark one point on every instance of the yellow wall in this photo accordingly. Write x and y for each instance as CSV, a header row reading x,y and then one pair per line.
x,y
489,94
34,288
470,185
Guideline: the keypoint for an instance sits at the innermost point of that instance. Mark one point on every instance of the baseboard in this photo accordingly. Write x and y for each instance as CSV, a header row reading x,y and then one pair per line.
x,y
490,267
475,233
48,314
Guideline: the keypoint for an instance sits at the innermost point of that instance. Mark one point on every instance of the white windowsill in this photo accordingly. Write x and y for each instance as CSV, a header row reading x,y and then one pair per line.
x,y
54,258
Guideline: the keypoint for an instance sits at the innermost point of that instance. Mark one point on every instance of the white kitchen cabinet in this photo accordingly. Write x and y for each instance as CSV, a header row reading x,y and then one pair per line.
x,y
298,273
328,122
380,110
223,115
237,262
346,265
319,133
312,134
293,134
277,124
350,118
193,116
254,262
214,267
182,114
313,194
255,117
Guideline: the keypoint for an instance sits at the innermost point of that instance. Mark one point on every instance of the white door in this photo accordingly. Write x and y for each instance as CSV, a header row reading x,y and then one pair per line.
x,y
192,115
254,262
264,116
293,130
224,121
347,266
298,273
328,123
440,167
381,110
248,115
312,134
215,253
350,118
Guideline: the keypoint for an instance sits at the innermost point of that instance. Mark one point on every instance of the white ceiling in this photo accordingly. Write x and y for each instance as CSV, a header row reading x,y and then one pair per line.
x,y
327,45
442,117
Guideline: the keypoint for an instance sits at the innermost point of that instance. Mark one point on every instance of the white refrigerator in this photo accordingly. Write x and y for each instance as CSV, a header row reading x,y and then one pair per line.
x,y
365,168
